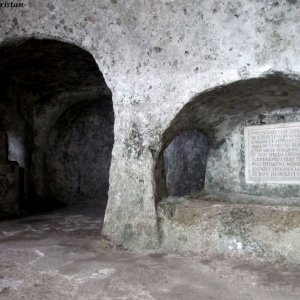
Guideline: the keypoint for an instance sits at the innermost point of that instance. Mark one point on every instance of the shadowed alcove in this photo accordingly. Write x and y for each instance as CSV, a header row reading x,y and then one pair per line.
x,y
57,113
221,114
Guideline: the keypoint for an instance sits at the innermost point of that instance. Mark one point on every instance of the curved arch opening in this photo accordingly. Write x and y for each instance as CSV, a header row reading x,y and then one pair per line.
x,y
57,113
222,114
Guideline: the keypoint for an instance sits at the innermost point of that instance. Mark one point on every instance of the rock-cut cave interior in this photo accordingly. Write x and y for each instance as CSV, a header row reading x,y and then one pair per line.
x,y
56,126
147,152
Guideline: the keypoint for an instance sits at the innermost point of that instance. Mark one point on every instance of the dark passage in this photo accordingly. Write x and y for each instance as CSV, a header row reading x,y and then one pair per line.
x,y
56,128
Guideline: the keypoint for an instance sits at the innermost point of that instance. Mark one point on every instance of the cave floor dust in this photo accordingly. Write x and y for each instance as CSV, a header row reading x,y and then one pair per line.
x,y
61,255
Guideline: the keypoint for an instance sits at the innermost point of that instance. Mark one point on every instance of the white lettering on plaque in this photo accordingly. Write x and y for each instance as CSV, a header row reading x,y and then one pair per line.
x,y
272,153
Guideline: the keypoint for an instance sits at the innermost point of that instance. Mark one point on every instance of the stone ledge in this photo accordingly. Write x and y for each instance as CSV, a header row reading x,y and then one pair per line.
x,y
271,232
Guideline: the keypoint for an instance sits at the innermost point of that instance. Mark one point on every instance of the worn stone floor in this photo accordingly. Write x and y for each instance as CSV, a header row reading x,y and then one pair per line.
x,y
60,255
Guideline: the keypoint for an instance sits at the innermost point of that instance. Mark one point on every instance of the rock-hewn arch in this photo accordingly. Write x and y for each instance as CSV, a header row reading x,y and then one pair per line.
x,y
41,79
221,114
230,215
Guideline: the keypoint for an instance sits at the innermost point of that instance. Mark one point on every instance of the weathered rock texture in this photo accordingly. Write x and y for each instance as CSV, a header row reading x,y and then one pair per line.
x,y
155,57
232,229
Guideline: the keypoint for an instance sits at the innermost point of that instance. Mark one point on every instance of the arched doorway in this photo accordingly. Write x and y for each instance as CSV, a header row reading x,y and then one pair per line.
x,y
52,92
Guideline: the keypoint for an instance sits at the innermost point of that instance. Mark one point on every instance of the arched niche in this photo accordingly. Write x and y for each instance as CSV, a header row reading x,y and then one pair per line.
x,y
221,114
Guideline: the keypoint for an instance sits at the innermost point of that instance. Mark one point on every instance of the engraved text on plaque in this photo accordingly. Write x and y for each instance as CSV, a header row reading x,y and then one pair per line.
x,y
272,153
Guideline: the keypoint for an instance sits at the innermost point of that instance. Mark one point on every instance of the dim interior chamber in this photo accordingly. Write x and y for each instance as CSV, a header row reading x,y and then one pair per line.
x,y
57,113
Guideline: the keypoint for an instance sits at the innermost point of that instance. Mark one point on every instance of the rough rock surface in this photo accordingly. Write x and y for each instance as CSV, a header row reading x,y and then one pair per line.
x,y
206,225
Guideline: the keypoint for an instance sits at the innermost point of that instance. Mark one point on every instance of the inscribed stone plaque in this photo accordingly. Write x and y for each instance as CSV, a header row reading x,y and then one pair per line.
x,y
272,153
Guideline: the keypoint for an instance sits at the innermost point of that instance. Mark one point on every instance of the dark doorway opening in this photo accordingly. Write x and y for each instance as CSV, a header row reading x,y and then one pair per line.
x,y
56,111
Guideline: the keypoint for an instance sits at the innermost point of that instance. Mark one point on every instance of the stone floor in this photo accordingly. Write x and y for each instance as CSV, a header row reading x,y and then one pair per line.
x,y
60,255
